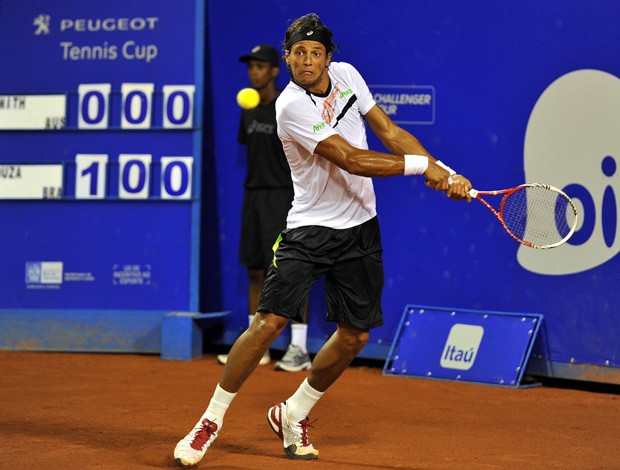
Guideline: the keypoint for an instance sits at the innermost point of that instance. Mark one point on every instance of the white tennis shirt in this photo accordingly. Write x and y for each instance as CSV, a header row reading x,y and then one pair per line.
x,y
325,194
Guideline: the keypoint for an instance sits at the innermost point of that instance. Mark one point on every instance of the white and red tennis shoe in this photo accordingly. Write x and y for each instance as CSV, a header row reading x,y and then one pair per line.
x,y
294,436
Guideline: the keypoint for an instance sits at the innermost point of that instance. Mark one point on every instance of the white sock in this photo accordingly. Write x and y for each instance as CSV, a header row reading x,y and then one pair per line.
x,y
299,405
299,335
218,405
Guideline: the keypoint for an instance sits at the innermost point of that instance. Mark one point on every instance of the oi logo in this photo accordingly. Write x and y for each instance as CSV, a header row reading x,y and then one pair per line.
x,y
572,141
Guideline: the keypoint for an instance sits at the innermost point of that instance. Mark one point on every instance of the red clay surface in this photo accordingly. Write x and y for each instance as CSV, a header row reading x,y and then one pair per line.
x,y
108,411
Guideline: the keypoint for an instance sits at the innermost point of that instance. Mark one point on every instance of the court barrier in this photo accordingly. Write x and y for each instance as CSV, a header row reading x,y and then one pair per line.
x,y
182,333
463,345
174,335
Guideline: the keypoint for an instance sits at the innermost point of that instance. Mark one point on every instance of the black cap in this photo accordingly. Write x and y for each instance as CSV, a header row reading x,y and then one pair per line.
x,y
264,53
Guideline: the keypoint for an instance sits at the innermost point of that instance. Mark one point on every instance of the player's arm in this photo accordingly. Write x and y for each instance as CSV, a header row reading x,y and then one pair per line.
x,y
359,161
400,142
370,163
375,164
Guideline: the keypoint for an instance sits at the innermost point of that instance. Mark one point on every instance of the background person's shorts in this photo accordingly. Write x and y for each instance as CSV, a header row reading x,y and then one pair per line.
x,y
263,217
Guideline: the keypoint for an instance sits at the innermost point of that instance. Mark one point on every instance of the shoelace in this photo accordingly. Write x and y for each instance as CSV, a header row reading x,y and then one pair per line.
x,y
207,429
305,424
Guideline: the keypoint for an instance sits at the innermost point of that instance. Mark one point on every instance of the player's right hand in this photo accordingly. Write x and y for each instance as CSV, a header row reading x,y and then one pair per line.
x,y
437,177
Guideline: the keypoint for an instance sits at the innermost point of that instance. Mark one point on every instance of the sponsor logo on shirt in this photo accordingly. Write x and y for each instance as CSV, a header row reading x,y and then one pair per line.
x,y
318,126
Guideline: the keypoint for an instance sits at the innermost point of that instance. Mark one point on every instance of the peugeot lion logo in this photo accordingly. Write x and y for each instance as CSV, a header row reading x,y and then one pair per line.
x,y
42,23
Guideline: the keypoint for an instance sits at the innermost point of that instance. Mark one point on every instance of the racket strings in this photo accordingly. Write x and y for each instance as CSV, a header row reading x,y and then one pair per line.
x,y
538,215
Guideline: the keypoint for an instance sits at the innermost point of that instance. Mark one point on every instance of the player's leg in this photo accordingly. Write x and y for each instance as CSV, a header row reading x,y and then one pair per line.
x,y
242,360
353,288
257,281
249,349
284,291
289,419
335,356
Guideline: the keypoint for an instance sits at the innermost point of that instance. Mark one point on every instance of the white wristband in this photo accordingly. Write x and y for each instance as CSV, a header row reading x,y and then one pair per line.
x,y
415,164
445,167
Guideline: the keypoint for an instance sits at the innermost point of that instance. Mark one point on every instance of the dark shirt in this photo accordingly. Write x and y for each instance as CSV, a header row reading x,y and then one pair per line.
x,y
267,166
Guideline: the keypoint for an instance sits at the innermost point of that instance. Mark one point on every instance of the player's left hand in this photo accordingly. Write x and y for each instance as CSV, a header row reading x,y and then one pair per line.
x,y
459,188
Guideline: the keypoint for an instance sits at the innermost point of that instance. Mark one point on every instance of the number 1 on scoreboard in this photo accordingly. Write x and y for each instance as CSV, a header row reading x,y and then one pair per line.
x,y
90,176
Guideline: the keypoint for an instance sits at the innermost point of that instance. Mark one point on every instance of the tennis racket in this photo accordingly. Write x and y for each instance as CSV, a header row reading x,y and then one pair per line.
x,y
536,215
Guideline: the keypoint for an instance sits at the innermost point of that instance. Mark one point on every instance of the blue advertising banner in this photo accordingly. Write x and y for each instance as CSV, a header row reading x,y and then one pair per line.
x,y
457,344
100,131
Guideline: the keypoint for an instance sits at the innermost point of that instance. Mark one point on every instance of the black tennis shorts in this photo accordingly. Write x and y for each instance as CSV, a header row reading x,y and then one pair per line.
x,y
263,217
350,260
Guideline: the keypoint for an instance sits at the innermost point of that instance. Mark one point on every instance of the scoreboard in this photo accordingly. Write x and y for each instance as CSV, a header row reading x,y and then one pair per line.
x,y
91,111
100,154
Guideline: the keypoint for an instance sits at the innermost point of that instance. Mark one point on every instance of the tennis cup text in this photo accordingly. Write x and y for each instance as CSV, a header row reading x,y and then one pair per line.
x,y
130,50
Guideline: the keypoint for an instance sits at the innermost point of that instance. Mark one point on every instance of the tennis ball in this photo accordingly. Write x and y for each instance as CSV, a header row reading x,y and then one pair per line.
x,y
248,98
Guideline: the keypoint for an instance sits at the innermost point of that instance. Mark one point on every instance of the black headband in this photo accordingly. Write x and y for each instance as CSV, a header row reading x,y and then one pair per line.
x,y
309,34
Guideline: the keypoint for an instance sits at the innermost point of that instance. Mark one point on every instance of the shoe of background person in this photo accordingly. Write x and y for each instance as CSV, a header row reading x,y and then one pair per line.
x,y
294,436
266,359
294,360
192,448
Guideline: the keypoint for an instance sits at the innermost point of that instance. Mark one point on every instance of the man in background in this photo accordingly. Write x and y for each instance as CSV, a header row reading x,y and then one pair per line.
x,y
268,195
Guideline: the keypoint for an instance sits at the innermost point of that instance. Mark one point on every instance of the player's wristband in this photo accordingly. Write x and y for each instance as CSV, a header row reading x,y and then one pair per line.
x,y
445,167
415,164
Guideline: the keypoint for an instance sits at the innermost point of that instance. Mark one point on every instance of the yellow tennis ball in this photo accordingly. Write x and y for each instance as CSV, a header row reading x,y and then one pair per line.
x,y
248,98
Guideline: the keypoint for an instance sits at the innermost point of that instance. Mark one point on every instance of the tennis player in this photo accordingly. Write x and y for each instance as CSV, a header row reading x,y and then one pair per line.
x,y
332,231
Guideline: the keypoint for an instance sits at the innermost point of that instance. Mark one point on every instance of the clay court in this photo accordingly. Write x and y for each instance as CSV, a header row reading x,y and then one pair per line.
x,y
112,411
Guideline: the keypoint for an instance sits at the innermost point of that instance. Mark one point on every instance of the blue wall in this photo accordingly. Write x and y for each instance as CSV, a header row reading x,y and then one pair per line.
x,y
521,92
488,63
